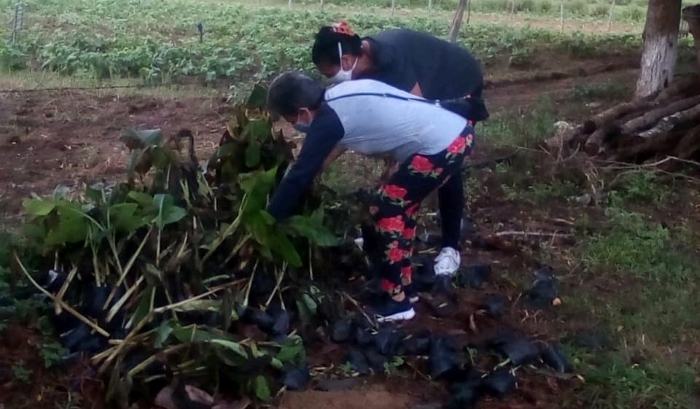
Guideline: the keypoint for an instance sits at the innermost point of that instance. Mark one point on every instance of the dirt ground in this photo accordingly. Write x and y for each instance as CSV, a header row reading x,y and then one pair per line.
x,y
71,137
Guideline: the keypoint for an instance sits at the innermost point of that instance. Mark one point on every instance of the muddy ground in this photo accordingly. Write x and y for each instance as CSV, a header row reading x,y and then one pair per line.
x,y
70,137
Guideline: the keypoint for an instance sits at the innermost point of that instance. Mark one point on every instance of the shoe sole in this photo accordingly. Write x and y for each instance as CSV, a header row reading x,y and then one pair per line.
x,y
399,316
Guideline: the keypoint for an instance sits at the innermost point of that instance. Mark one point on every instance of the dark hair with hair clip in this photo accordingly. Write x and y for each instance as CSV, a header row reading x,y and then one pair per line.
x,y
325,48
291,91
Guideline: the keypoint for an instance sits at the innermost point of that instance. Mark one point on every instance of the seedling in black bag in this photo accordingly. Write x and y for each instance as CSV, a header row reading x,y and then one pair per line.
x,y
296,378
464,395
474,276
342,330
499,383
417,344
362,337
519,350
281,322
444,361
545,288
388,341
424,276
554,357
358,361
376,361
493,305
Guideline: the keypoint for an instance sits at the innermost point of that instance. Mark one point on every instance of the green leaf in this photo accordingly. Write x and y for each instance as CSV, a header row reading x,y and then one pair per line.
x,y
292,351
72,227
233,346
258,131
145,304
124,218
143,199
167,211
262,390
162,334
39,207
285,249
312,230
141,139
257,98
252,154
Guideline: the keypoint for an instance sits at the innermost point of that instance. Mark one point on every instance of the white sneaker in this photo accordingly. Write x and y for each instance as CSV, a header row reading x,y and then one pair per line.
x,y
447,262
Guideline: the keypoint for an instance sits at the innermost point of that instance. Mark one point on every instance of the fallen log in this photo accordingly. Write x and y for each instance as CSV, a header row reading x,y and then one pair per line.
x,y
652,117
681,88
594,144
668,123
689,146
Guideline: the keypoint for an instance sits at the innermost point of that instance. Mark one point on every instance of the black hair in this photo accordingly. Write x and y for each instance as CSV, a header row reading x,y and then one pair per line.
x,y
291,91
325,47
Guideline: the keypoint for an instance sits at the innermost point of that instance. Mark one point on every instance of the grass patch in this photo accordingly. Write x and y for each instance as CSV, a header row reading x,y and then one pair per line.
x,y
650,310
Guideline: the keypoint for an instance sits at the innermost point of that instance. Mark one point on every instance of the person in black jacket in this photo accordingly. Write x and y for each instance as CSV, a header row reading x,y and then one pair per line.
x,y
423,65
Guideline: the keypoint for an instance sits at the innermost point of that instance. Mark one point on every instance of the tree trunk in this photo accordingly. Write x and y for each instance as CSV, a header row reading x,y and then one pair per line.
x,y
660,46
457,21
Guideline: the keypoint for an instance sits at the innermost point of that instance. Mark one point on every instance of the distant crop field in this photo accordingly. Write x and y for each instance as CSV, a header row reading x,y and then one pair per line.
x,y
158,41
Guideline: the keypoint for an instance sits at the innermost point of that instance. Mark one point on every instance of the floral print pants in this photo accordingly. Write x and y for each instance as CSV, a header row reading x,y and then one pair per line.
x,y
396,203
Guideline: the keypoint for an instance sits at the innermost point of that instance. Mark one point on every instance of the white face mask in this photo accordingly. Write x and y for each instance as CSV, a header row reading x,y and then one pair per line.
x,y
342,75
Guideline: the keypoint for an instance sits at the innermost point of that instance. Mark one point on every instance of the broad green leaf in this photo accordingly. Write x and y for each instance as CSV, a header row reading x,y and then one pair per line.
x,y
124,217
258,130
167,211
233,346
72,227
252,154
312,230
257,98
162,334
141,139
292,351
143,199
285,249
191,334
262,390
39,207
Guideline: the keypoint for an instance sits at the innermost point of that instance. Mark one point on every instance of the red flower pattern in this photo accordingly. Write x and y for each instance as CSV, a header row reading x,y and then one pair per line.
x,y
394,254
422,164
407,272
388,286
412,210
394,192
409,233
457,146
391,224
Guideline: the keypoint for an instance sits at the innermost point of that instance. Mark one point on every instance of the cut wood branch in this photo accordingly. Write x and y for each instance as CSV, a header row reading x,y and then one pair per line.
x,y
651,117
668,123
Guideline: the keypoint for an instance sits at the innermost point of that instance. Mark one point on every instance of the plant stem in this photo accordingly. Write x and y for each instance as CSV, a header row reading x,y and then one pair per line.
x,y
68,308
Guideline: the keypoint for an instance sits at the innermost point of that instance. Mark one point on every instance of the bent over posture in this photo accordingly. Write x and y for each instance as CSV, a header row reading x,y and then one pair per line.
x,y
372,118
426,66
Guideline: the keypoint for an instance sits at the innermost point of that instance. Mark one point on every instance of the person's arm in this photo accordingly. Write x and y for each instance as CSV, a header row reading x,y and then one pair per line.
x,y
323,136
335,153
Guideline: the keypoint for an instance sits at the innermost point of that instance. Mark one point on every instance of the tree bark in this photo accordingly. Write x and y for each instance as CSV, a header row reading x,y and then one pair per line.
x,y
457,21
660,46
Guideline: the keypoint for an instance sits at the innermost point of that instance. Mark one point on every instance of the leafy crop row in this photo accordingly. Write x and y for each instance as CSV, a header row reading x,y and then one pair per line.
x,y
158,40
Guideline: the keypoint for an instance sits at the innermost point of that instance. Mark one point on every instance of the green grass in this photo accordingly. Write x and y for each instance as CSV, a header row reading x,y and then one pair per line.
x,y
157,40
637,277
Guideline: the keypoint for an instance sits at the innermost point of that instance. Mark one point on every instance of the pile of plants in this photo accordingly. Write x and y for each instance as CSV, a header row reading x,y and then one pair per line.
x,y
178,276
